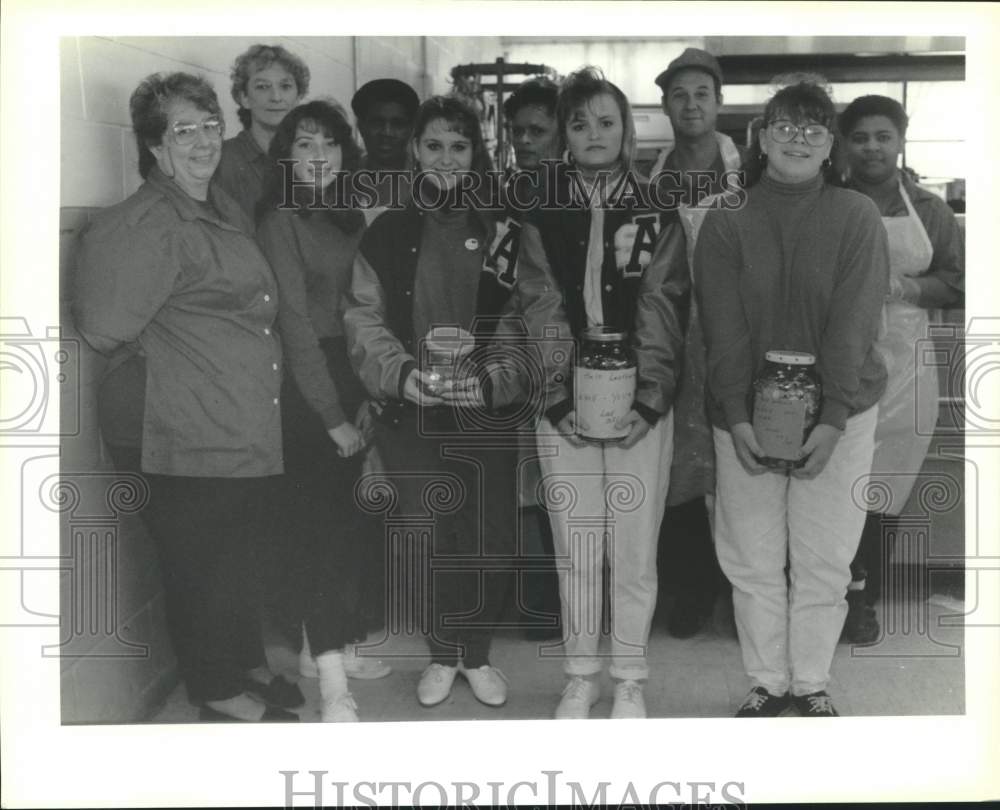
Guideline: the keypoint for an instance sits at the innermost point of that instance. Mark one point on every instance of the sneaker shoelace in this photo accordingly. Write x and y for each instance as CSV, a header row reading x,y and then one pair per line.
x,y
576,689
821,704
630,691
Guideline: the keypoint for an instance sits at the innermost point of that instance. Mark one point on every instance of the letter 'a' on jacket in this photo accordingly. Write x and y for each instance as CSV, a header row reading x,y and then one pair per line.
x,y
646,292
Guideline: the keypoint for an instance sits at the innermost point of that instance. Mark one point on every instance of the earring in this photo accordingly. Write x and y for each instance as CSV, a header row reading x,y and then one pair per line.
x,y
825,164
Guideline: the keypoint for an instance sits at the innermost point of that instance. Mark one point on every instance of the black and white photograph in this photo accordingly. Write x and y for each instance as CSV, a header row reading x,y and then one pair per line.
x,y
385,386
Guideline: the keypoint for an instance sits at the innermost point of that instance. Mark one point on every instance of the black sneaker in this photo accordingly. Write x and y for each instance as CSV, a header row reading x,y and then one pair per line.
x,y
861,627
816,704
761,703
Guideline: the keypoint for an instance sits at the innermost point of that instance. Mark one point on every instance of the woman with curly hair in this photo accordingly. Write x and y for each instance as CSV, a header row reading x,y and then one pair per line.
x,y
424,296
267,82
310,244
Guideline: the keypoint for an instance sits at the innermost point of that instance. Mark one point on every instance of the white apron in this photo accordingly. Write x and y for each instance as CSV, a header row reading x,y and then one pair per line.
x,y
908,409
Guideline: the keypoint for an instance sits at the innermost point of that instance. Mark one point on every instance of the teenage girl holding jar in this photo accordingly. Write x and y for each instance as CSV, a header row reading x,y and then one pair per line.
x,y
422,272
620,268
801,267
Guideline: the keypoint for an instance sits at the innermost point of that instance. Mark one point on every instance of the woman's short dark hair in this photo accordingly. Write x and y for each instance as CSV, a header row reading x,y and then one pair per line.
x,y
149,105
260,57
460,118
867,106
805,99
540,91
577,90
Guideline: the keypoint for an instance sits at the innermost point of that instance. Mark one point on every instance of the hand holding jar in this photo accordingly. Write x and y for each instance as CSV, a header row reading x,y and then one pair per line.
x,y
787,398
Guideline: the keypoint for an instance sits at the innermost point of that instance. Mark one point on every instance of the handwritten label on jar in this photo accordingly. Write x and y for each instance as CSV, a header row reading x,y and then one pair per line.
x,y
779,425
602,398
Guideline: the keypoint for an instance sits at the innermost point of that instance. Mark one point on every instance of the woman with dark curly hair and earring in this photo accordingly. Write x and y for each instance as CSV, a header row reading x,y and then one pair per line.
x,y
267,82
423,288
797,274
311,249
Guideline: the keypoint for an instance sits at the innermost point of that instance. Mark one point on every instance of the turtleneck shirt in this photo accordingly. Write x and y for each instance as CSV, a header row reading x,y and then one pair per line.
x,y
801,267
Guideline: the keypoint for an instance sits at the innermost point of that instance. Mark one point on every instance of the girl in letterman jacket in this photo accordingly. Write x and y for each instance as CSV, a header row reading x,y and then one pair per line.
x,y
599,254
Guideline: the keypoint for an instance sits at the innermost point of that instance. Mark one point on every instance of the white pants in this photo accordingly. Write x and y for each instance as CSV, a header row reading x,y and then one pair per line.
x,y
606,502
789,629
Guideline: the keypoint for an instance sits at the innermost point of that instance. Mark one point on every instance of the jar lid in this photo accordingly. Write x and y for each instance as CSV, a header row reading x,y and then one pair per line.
x,y
602,334
789,358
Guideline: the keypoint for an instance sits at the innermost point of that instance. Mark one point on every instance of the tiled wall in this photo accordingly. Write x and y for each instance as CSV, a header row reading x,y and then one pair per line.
x,y
111,597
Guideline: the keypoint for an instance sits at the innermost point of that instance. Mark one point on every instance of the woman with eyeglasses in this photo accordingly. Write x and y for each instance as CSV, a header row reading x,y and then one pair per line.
x,y
797,272
927,267
173,271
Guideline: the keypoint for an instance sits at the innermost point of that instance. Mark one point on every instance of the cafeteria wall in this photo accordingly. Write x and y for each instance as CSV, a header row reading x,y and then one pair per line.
x,y
99,158
117,662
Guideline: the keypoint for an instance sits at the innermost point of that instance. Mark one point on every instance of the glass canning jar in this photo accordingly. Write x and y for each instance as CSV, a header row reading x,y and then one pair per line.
x,y
604,379
787,398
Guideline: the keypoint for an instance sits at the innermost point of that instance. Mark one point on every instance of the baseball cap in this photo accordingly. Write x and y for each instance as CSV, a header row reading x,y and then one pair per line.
x,y
385,90
691,58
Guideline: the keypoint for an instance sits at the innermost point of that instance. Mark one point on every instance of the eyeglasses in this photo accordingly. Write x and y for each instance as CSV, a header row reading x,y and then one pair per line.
x,y
186,134
785,132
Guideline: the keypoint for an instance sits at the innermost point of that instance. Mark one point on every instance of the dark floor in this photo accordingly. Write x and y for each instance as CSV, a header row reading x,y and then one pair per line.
x,y
917,669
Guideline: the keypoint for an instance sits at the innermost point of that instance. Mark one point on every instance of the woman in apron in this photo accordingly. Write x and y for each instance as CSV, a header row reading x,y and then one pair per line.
x,y
927,272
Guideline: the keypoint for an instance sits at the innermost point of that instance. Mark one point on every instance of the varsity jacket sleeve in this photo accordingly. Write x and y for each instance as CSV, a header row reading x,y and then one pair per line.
x,y
379,358
661,316
855,311
549,335
277,239
717,266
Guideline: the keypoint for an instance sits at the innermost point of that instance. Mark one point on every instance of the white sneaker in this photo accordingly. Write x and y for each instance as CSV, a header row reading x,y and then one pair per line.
x,y
488,684
629,703
362,667
435,684
356,666
339,709
579,695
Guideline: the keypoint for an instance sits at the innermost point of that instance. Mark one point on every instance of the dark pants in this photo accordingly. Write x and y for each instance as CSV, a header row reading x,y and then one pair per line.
x,y
540,580
209,532
318,576
463,487
874,550
687,562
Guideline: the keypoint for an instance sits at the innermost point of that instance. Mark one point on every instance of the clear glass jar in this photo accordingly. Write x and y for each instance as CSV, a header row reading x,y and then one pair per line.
x,y
604,382
787,398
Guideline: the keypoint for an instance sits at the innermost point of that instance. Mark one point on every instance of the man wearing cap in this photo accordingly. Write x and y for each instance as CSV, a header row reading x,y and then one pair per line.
x,y
694,168
385,109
